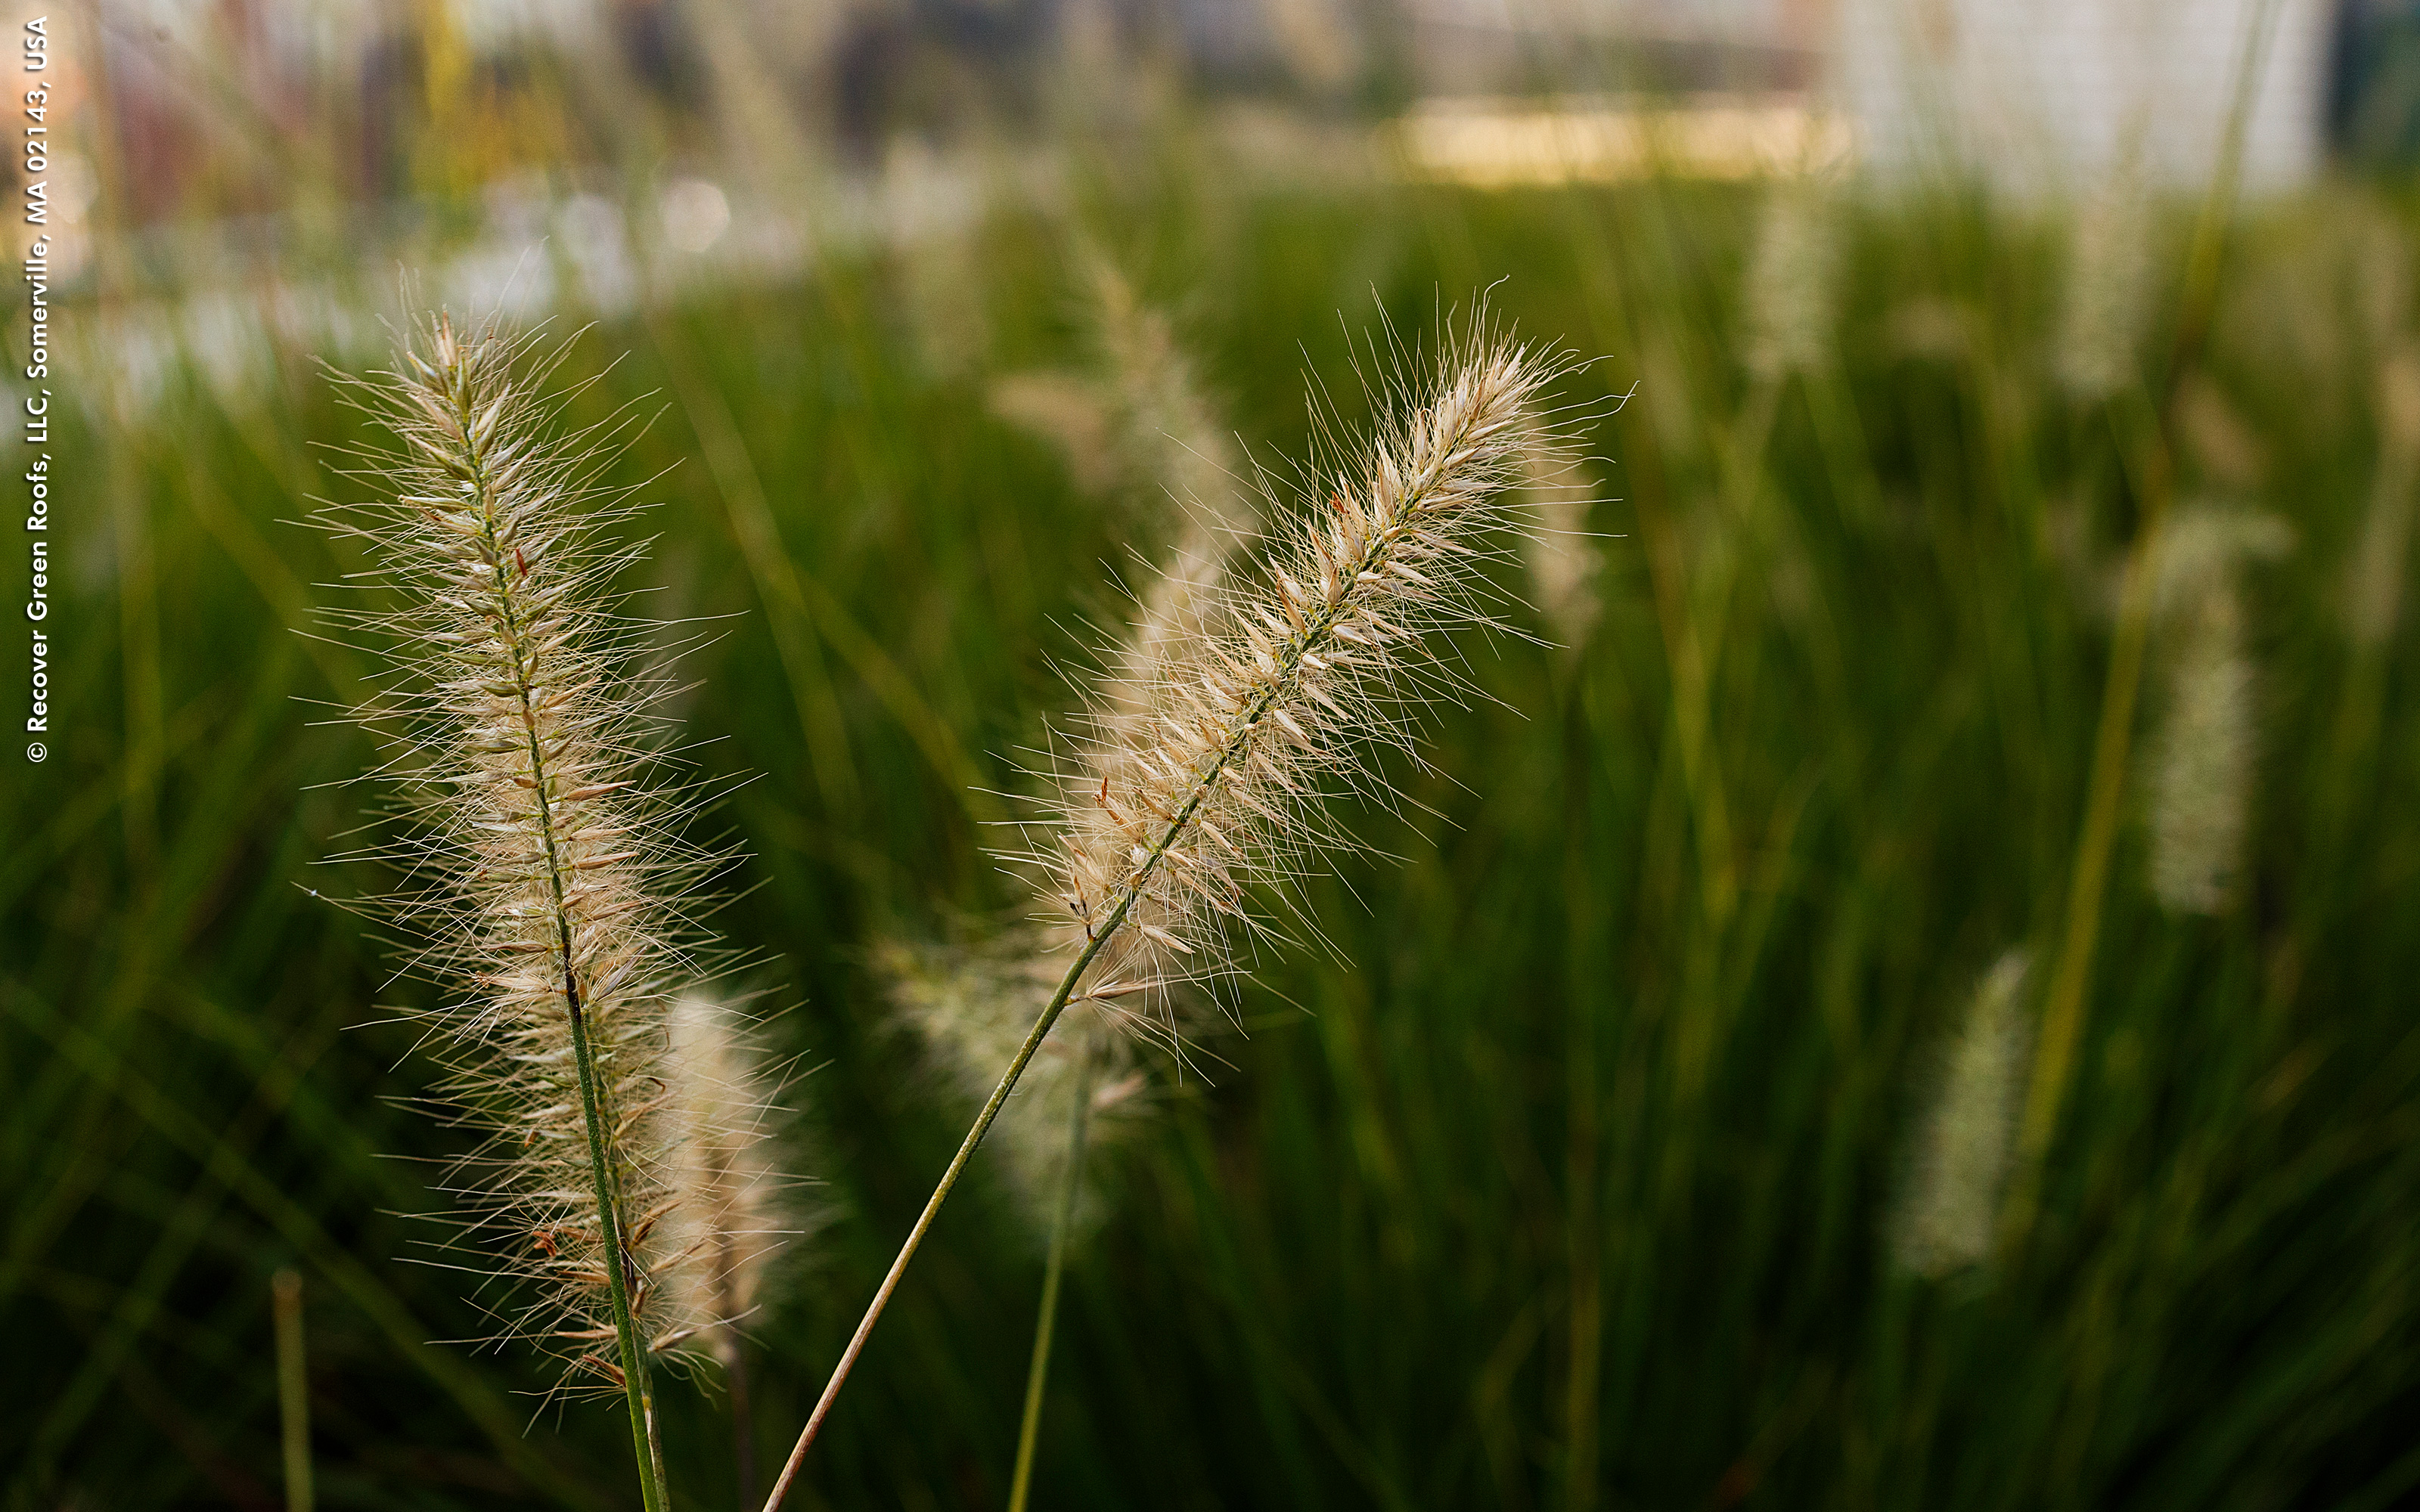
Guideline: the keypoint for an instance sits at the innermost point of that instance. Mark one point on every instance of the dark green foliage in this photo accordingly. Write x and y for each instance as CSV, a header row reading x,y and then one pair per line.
x,y
1583,1080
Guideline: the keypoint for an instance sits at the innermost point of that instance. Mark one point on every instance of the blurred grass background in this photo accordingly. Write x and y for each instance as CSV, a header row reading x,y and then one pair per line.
x,y
1569,1181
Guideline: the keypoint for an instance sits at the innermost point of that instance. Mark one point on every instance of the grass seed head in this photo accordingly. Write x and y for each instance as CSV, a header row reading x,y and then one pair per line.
x,y
543,858
1200,771
1145,420
2106,300
1792,296
1167,425
1951,1207
2203,761
733,1211
971,1007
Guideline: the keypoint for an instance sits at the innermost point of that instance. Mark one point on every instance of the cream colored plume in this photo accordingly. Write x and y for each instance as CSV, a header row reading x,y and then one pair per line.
x,y
1202,774
2204,758
2106,300
971,1007
544,860
1791,301
732,1215
1067,410
1946,1218
1145,424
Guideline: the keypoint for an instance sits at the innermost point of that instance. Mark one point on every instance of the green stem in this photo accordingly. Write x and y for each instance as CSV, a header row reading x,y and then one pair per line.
x,y
635,1386
1062,1224
2065,1005
2063,1009
991,1107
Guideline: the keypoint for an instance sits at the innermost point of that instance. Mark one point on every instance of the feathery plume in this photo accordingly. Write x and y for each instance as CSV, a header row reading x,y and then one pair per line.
x,y
1206,776
1167,424
971,1006
2202,764
1067,410
1946,1220
2107,297
1138,421
544,860
1792,279
1198,769
1144,421
733,1205
732,1212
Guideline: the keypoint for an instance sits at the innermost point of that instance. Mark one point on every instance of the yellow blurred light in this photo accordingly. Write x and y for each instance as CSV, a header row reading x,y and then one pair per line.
x,y
1505,143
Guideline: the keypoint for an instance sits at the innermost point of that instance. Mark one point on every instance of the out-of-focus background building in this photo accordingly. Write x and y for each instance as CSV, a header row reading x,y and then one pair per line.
x,y
2039,95
261,160
227,103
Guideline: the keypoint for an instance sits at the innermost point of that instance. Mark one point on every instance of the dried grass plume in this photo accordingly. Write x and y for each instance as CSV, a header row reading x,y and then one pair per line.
x,y
2204,758
1951,1207
544,861
1200,771
1792,295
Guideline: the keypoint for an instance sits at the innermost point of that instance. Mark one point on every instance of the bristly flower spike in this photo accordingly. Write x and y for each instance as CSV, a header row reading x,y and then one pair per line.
x,y
2205,760
1175,807
1171,809
734,1210
1156,431
545,864
1946,1220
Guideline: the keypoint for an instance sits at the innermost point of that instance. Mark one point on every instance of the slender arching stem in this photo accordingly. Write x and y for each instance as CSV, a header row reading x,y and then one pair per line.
x,y
991,1107
1062,1223
1033,1038
733,1352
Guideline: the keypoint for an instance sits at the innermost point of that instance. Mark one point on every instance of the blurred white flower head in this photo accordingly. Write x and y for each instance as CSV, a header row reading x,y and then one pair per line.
x,y
696,214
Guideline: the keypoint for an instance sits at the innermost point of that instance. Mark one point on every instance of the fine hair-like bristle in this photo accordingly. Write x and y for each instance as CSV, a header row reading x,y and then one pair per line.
x,y
543,852
2203,761
1946,1219
1199,770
